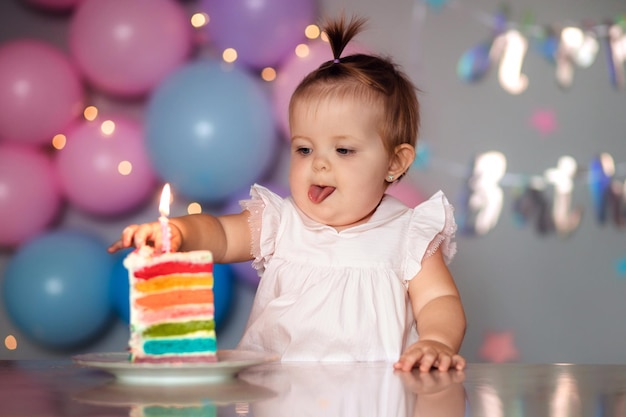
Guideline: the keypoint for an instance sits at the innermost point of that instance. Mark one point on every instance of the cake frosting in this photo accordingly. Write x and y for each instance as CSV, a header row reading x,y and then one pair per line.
x,y
171,306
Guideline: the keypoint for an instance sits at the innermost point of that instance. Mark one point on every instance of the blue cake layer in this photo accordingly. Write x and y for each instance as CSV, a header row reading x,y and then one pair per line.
x,y
166,346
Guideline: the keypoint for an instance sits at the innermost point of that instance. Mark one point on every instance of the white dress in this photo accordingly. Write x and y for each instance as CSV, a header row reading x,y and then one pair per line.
x,y
339,296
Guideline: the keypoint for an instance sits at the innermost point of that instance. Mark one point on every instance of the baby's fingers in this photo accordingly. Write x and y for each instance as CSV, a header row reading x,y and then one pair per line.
x,y
125,241
444,362
132,235
410,359
115,246
458,362
146,234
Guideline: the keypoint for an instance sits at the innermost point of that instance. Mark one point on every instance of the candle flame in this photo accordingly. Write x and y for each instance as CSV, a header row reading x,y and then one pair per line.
x,y
164,205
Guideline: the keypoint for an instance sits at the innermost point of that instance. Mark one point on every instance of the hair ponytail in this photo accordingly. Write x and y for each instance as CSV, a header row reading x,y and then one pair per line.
x,y
340,33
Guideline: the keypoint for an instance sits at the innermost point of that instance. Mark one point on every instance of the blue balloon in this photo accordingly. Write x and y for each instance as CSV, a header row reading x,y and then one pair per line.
x,y
119,289
56,289
223,292
210,130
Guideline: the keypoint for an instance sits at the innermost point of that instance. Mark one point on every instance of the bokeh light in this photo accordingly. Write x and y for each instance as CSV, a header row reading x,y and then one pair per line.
x,y
199,20
10,342
312,32
229,55
108,127
125,167
90,113
302,50
268,74
59,141
194,208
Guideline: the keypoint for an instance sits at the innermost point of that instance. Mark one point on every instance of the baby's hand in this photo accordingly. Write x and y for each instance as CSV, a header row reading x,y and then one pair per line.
x,y
427,354
146,234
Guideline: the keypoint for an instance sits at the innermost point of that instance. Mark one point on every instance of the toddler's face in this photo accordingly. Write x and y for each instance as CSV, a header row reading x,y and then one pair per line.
x,y
338,161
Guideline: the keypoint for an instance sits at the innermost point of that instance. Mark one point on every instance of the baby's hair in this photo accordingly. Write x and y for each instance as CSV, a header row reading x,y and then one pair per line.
x,y
374,79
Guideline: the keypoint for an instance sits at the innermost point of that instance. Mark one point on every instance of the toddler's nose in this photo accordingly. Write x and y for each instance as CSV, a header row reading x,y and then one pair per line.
x,y
320,163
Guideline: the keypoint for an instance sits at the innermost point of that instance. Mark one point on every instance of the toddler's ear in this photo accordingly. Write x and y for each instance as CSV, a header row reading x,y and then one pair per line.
x,y
401,160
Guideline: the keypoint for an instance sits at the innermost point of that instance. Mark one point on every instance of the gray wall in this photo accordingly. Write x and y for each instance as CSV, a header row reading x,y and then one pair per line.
x,y
557,299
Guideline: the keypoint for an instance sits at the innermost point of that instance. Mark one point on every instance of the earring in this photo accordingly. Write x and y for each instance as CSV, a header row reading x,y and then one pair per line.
x,y
389,178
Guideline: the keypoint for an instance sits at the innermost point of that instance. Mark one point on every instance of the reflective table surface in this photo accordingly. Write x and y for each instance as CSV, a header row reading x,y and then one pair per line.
x,y
64,388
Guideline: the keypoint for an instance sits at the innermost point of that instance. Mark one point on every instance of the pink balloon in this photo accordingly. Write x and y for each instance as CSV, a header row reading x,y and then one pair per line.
x,y
40,92
54,5
30,197
126,48
93,167
293,70
406,192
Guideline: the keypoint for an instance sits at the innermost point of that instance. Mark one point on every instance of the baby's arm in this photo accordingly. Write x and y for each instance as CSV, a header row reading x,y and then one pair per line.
x,y
439,316
228,237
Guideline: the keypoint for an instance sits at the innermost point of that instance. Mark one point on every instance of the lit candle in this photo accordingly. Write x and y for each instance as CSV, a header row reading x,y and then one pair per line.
x,y
164,209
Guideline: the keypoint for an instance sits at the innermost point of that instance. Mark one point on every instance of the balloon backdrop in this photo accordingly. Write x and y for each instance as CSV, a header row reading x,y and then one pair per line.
x,y
40,92
29,193
406,192
54,5
105,172
292,71
262,32
223,292
119,291
55,289
210,130
127,47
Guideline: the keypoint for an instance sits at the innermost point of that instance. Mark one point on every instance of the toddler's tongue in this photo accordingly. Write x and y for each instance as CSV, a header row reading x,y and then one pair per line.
x,y
317,194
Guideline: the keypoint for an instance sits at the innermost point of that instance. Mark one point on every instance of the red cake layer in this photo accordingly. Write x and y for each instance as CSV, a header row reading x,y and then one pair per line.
x,y
167,268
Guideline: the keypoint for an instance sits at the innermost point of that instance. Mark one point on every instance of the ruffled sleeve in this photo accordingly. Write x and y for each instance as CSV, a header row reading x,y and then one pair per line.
x,y
432,228
264,207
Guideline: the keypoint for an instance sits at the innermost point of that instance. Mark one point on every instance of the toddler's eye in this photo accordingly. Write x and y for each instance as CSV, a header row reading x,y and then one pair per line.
x,y
303,151
344,151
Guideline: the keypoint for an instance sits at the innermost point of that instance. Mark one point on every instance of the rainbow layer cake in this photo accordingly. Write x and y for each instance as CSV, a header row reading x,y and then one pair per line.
x,y
171,306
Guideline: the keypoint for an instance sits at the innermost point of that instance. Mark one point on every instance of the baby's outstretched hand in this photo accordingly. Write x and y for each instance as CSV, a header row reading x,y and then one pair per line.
x,y
427,354
146,234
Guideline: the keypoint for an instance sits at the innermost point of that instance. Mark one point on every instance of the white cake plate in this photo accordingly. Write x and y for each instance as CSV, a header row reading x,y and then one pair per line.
x,y
229,364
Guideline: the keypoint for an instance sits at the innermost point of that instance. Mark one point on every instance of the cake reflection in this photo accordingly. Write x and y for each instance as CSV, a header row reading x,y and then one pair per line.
x,y
203,400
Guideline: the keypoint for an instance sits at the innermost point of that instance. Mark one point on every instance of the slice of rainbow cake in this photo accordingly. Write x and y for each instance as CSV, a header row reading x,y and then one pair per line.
x,y
171,307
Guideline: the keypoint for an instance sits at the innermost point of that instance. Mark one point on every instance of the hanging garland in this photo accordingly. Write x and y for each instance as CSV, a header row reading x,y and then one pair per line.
x,y
542,201
567,46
